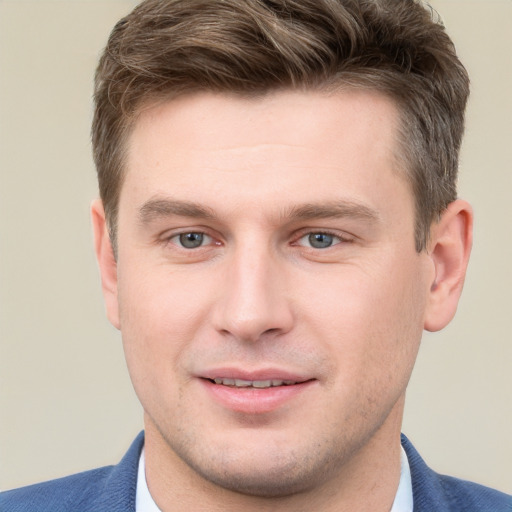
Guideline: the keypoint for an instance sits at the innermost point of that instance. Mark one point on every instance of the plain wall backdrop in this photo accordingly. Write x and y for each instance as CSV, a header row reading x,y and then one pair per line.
x,y
66,402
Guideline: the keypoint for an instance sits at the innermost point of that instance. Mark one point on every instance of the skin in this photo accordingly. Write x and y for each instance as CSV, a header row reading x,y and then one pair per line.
x,y
259,179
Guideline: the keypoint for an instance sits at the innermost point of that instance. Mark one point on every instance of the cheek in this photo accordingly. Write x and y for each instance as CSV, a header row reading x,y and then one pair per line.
x,y
372,320
395,325
159,301
160,316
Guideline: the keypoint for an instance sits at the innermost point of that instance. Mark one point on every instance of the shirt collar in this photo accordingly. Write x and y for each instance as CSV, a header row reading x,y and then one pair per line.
x,y
403,499
143,499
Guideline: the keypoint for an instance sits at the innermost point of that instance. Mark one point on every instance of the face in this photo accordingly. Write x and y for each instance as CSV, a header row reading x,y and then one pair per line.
x,y
268,290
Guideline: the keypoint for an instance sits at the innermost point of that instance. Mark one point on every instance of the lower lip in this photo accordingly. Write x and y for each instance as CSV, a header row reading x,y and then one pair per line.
x,y
255,400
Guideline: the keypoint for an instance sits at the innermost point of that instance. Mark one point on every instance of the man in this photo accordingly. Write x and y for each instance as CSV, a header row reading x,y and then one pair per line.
x,y
278,224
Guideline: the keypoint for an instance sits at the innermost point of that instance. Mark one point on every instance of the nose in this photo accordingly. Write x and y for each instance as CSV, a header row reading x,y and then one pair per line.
x,y
254,300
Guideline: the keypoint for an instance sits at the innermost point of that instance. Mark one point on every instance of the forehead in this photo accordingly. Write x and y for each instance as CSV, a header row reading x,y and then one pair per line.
x,y
316,114
283,147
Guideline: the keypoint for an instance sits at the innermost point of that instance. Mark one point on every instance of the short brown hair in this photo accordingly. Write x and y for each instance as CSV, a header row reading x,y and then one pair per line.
x,y
166,48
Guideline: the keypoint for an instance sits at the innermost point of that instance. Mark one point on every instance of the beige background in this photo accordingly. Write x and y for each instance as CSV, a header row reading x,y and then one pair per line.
x,y
66,402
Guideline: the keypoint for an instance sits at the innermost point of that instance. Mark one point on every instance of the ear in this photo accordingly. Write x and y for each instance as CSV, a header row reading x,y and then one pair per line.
x,y
106,262
449,250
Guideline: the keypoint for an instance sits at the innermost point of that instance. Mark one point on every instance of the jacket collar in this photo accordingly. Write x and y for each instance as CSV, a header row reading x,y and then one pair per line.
x,y
118,494
427,489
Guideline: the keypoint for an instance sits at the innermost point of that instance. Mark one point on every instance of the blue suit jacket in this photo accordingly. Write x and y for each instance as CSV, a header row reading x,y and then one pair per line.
x,y
112,489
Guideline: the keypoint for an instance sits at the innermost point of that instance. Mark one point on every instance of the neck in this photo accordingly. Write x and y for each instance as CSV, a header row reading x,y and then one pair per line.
x,y
368,481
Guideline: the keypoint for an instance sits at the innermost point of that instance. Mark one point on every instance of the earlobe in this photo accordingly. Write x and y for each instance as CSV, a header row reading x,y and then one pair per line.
x,y
449,249
106,262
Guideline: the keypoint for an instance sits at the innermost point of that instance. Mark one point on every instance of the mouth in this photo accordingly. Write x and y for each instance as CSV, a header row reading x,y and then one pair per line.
x,y
258,384
256,394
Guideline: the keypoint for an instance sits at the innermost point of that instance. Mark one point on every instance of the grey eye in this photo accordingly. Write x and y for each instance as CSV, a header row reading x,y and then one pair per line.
x,y
320,240
191,240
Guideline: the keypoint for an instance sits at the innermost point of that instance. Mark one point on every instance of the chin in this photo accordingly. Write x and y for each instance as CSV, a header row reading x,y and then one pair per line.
x,y
264,471
266,481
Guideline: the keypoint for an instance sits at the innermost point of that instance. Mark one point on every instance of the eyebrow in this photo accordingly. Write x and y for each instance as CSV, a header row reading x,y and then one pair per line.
x,y
166,207
333,210
161,208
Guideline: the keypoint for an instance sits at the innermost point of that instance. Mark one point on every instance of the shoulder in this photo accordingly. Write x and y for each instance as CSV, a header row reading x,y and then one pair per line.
x,y
468,496
73,492
110,488
432,491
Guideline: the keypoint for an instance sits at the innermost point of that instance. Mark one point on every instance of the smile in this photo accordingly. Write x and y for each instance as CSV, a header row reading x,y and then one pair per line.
x,y
259,384
257,394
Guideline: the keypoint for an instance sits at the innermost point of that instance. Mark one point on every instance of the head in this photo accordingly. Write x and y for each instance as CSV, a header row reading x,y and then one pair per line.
x,y
163,50
278,182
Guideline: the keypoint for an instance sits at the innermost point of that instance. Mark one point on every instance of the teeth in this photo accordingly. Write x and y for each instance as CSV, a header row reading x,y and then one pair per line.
x,y
260,384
